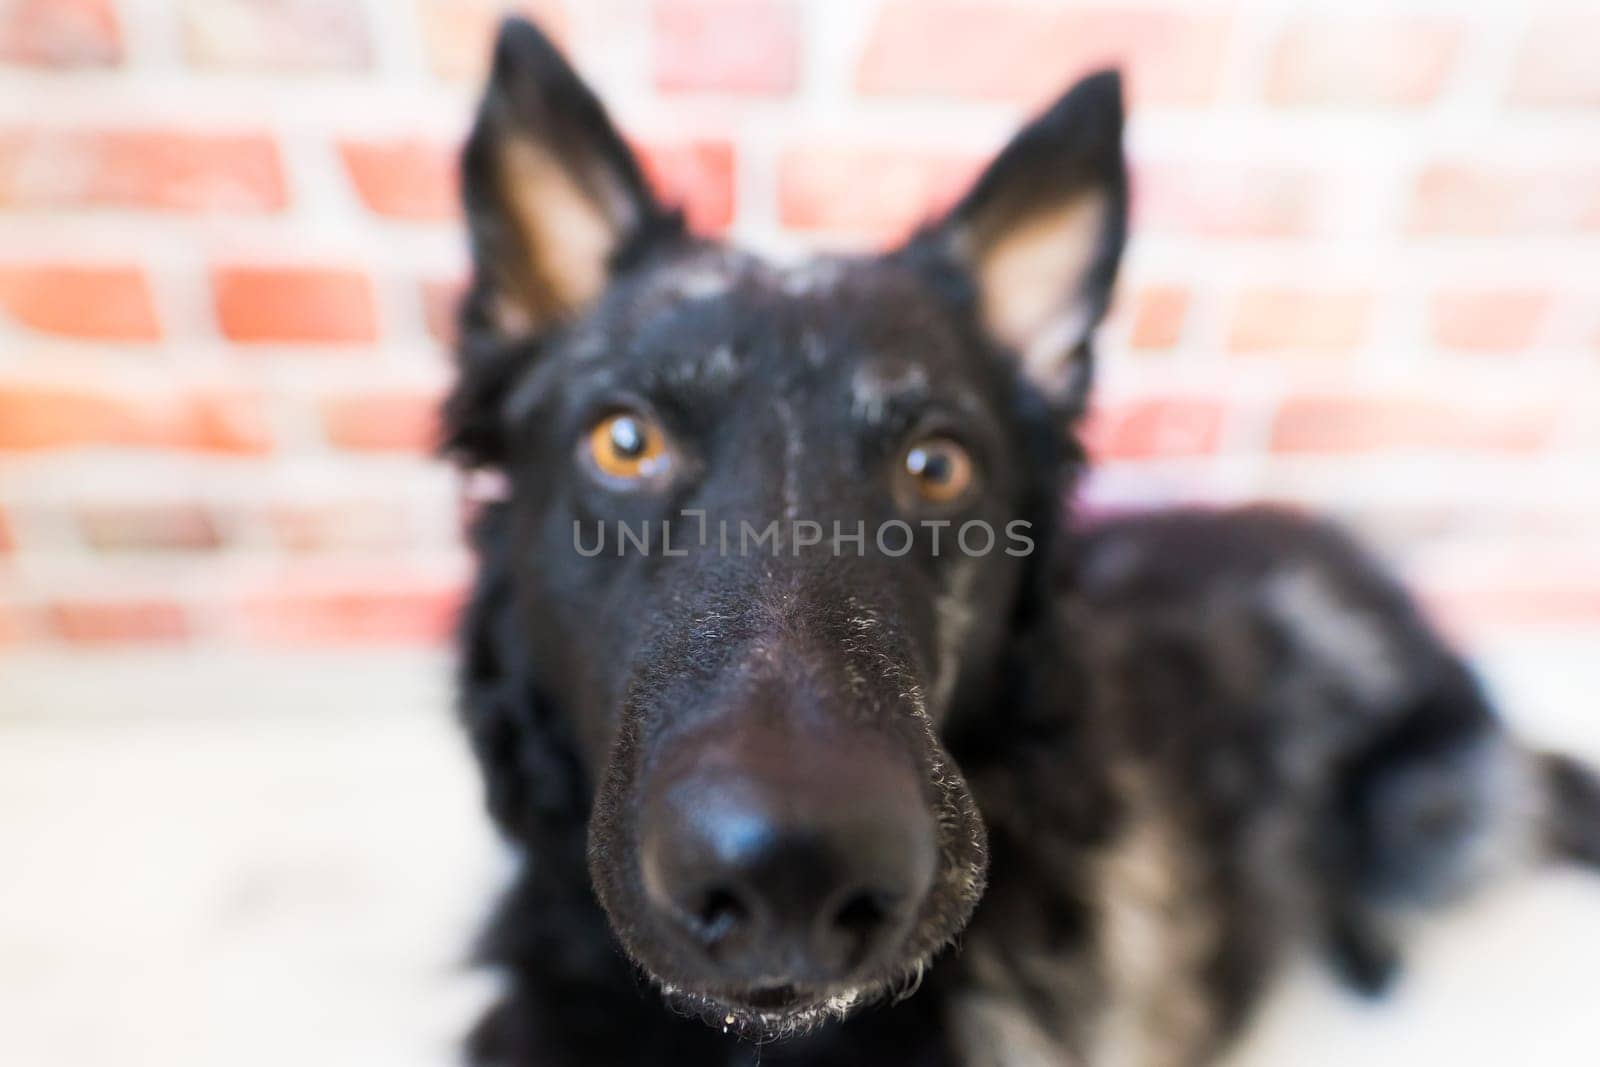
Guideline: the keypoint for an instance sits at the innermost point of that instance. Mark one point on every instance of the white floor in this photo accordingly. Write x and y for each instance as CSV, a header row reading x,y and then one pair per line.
x,y
247,861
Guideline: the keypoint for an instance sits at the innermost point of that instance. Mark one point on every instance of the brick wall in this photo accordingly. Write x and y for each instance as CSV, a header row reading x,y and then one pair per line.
x,y
1366,274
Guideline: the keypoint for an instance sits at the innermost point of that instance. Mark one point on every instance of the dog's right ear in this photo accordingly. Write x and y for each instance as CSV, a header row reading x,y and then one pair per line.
x,y
553,194
555,204
1041,234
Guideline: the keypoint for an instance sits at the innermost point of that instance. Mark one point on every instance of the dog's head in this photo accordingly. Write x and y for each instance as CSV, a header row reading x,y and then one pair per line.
x,y
771,527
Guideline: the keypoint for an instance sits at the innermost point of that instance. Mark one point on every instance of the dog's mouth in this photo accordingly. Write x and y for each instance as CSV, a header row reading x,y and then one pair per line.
x,y
780,997
768,1011
777,1008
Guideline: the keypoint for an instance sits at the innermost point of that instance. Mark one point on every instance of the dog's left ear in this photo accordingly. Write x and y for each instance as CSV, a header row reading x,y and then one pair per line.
x,y
553,195
556,204
1041,233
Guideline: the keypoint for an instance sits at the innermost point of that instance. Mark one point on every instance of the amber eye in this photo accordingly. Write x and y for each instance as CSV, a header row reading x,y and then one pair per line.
x,y
938,471
628,447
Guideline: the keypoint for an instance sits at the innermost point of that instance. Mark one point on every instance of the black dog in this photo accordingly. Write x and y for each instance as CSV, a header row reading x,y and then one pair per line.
x,y
786,674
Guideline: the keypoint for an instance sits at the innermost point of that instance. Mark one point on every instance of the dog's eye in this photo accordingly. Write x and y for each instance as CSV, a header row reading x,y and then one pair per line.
x,y
938,471
628,447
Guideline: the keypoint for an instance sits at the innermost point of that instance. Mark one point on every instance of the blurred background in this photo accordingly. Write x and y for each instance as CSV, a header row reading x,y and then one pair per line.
x,y
1365,277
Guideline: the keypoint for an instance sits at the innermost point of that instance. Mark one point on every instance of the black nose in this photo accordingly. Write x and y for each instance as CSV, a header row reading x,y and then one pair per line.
x,y
786,863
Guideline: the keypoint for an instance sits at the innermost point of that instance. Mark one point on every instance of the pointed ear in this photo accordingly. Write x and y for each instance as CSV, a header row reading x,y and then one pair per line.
x,y
1041,234
553,195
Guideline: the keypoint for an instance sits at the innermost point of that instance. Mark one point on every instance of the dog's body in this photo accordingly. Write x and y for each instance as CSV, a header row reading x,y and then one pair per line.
x,y
1125,770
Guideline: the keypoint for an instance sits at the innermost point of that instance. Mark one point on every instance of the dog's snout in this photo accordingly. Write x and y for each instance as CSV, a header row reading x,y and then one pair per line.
x,y
780,865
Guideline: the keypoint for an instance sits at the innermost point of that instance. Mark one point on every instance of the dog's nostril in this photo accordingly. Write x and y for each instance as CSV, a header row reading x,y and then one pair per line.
x,y
861,914
720,911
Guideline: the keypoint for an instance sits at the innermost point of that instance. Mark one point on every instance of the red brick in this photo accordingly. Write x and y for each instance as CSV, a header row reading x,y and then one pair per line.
x,y
1155,427
283,35
740,46
1158,315
1363,62
95,303
1029,52
405,179
1224,200
13,628
116,622
1458,199
383,421
1557,64
397,610
34,416
1305,320
459,34
1511,582
1356,424
60,33
144,169
292,305
1481,607
874,192
148,528
696,175
1486,320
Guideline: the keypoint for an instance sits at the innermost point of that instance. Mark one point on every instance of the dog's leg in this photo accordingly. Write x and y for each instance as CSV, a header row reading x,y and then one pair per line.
x,y
1438,804
1362,950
